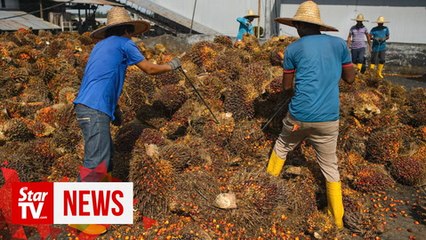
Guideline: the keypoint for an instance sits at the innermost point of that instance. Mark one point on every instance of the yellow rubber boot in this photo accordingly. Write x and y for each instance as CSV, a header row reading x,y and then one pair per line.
x,y
359,66
90,229
275,165
372,66
379,70
335,202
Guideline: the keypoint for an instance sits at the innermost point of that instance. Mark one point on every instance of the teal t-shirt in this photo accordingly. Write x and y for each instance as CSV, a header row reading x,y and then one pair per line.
x,y
317,61
105,72
245,27
379,32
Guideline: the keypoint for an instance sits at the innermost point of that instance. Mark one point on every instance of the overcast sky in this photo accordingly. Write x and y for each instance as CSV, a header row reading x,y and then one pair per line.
x,y
104,8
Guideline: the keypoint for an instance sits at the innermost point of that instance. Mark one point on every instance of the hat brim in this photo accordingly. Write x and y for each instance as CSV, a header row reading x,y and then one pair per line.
x,y
381,22
359,20
290,22
140,27
253,16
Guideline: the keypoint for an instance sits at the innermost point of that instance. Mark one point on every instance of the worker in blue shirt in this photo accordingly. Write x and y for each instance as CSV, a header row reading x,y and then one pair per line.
x,y
96,102
379,34
313,67
246,26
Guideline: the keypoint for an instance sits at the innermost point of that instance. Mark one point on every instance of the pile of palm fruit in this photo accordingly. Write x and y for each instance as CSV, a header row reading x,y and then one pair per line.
x,y
180,159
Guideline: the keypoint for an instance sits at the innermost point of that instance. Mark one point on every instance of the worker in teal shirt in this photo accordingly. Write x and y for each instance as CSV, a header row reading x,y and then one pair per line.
x,y
246,26
379,34
313,67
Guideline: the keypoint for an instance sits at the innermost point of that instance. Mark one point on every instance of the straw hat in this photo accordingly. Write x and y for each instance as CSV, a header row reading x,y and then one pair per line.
x,y
307,12
360,18
381,19
250,13
118,16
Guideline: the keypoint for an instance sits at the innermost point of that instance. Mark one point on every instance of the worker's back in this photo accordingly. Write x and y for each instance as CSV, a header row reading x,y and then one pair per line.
x,y
318,61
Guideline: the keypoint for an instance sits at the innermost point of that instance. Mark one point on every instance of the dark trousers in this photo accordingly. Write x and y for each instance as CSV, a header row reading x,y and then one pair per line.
x,y
358,55
378,57
98,145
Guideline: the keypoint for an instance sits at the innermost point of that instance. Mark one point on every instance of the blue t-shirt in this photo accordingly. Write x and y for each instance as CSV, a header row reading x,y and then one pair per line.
x,y
245,27
105,72
379,32
317,61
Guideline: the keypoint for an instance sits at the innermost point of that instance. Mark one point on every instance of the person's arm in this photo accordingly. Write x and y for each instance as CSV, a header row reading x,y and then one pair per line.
x,y
242,20
348,73
151,68
387,33
288,83
348,41
368,41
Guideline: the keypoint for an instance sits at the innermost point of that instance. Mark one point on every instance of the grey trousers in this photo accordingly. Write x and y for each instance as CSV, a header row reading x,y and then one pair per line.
x,y
322,136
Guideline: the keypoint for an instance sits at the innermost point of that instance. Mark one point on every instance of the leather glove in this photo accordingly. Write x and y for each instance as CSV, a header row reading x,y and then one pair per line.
x,y
175,63
118,117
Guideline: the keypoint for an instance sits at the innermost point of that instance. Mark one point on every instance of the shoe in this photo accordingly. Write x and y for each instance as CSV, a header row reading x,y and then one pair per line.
x,y
335,202
275,164
379,70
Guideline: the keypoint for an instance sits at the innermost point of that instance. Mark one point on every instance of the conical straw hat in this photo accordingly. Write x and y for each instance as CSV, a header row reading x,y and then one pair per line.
x,y
118,16
360,18
381,19
250,13
307,12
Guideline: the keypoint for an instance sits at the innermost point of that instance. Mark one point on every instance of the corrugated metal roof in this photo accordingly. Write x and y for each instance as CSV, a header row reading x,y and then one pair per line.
x,y
14,20
100,2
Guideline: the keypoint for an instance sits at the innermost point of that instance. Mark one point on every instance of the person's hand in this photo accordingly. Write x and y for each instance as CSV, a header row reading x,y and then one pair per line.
x,y
175,63
118,117
380,40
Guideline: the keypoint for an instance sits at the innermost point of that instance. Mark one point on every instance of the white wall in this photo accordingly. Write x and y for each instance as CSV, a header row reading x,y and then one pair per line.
x,y
219,15
406,24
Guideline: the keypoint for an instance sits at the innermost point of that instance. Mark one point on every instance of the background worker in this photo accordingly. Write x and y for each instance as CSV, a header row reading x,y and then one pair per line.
x,y
379,34
101,87
356,41
246,26
318,62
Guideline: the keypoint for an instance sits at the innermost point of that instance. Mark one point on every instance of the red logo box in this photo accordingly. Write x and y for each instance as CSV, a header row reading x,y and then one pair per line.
x,y
32,203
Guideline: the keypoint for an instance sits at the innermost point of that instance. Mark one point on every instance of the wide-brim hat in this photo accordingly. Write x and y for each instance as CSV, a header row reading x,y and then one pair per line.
x,y
381,19
250,13
119,16
360,18
307,12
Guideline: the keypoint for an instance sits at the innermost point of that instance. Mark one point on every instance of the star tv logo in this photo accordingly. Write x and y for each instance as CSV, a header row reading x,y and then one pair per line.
x,y
71,203
34,203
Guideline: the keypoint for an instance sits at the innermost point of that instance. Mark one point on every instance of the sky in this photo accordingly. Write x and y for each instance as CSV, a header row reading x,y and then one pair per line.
x,y
103,9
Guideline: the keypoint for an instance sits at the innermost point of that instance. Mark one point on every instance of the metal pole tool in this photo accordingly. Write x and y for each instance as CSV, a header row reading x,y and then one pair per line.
x,y
282,104
199,95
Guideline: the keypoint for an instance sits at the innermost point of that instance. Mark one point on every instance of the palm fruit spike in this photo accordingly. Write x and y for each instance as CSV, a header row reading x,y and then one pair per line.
x,y
203,54
170,98
153,180
180,156
236,103
372,179
223,40
410,170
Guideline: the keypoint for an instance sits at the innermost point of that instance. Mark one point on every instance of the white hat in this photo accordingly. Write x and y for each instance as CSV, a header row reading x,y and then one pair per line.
x,y
250,13
360,18
381,19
